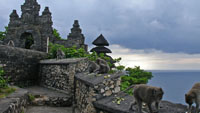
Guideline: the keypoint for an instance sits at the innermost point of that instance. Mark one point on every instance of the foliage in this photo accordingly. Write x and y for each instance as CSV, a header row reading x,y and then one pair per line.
x,y
6,91
120,67
135,76
72,52
3,33
3,82
29,41
56,34
118,100
31,97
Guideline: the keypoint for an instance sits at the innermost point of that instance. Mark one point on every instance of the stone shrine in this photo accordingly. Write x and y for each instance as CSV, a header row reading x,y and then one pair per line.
x,y
100,42
30,31
34,31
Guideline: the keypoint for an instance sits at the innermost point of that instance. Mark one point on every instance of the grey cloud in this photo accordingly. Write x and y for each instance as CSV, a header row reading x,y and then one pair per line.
x,y
167,25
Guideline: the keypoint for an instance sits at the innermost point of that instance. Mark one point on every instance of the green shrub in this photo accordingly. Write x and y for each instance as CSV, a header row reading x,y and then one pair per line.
x,y
31,97
120,67
3,33
72,52
6,91
135,76
3,82
56,34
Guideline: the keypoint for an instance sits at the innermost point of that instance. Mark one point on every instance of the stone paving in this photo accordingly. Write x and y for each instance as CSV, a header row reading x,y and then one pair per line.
x,y
45,109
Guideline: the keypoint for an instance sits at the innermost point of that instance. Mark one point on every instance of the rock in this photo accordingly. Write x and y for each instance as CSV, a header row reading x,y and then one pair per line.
x,y
117,89
107,88
102,90
96,87
108,93
112,86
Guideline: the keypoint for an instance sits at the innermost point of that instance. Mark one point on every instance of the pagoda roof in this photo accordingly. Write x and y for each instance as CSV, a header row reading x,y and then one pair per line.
x,y
101,49
100,41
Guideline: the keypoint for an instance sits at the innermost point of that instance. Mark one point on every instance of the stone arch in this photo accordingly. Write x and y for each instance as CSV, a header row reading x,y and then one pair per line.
x,y
28,40
35,37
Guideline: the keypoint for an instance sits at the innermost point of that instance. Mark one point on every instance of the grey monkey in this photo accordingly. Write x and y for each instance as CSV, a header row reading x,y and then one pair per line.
x,y
104,67
148,95
193,96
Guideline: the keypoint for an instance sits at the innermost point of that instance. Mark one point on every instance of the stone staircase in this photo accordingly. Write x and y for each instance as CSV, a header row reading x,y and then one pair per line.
x,y
44,100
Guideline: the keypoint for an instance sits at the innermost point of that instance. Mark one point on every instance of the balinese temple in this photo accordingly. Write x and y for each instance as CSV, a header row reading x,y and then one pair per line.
x,y
100,42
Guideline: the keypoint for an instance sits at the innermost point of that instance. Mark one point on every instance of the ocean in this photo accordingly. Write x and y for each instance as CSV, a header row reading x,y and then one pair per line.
x,y
175,83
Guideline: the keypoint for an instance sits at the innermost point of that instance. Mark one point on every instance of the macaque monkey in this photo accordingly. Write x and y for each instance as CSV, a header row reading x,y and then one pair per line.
x,y
104,67
193,96
148,95
93,67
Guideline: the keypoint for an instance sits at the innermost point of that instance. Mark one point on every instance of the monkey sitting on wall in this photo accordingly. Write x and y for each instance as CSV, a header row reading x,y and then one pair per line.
x,y
100,66
193,96
93,67
104,67
148,95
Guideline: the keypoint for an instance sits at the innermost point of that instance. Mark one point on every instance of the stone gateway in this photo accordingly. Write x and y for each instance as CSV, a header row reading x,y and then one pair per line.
x,y
34,31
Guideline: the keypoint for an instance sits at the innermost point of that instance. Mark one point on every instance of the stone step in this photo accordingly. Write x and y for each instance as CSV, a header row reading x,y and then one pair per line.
x,y
46,109
41,96
108,104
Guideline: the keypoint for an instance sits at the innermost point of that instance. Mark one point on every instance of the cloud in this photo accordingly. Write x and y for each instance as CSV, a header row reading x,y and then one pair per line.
x,y
166,25
151,59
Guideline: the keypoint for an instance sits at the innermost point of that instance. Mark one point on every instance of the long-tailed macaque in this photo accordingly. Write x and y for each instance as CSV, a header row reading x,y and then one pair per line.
x,y
148,95
193,96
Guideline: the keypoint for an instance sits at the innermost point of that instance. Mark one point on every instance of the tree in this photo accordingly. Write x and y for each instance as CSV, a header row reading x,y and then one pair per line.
x,y
3,33
56,34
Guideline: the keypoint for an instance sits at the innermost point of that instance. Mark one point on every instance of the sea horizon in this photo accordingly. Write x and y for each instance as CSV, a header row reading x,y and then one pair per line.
x,y
175,83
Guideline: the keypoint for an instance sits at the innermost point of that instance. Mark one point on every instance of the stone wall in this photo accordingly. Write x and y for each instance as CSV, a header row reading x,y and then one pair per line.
x,y
85,96
59,74
15,103
91,87
20,65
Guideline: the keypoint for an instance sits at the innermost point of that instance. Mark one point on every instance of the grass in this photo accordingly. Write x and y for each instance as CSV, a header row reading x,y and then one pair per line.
x,y
6,91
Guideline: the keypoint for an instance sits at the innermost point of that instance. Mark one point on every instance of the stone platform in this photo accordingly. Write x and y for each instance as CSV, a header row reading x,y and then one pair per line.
x,y
45,109
108,106
44,96
15,102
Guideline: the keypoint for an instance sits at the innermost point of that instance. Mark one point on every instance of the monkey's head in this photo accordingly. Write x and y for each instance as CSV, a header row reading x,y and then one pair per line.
x,y
158,93
189,98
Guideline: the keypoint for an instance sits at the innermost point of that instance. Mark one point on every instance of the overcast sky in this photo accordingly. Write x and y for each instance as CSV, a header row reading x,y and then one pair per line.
x,y
155,34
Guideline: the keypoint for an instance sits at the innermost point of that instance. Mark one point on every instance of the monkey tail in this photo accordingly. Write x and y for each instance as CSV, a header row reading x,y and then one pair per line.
x,y
130,87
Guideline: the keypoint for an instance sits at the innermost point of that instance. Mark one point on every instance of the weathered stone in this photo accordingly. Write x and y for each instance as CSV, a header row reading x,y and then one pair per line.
x,y
108,93
112,86
60,54
102,90
34,31
107,88
118,83
96,87
20,65
15,103
117,89
59,74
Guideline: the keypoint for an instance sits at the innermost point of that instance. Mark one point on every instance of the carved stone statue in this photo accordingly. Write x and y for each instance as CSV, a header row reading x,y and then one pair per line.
x,y
60,54
11,43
